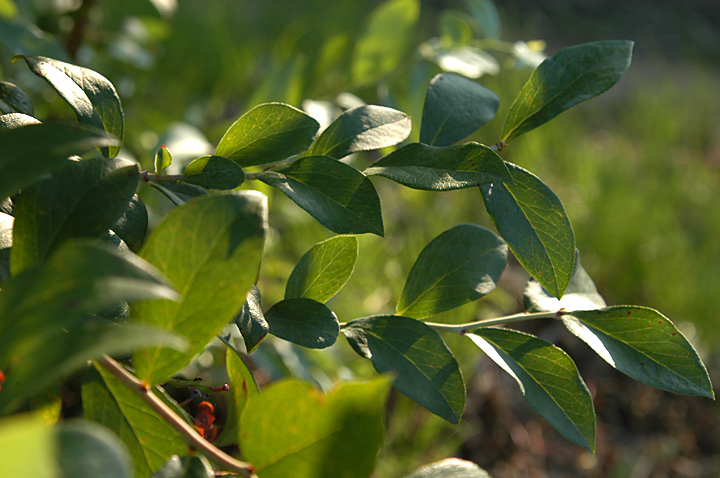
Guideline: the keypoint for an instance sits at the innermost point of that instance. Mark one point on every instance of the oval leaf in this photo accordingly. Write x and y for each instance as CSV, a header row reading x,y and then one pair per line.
x,y
581,294
267,133
251,321
324,269
214,172
293,430
533,221
83,199
362,129
450,468
16,99
548,379
163,159
645,345
574,75
31,151
459,266
210,249
132,226
91,95
425,368
88,450
455,107
178,193
303,322
433,168
338,196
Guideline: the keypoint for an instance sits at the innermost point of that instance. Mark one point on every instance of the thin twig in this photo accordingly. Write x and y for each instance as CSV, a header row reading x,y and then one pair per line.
x,y
196,441
462,329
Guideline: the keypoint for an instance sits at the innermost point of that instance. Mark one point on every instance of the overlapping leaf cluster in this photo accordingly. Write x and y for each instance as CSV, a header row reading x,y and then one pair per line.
x,y
76,236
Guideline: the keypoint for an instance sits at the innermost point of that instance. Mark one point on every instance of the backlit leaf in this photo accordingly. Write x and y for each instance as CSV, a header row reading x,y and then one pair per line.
x,y
573,75
643,344
533,221
459,266
433,168
548,379
303,322
214,172
267,133
424,367
177,192
28,447
163,159
242,387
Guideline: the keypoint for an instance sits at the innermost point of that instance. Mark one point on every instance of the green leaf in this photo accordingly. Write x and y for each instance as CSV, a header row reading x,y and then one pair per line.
x,y
643,344
385,41
28,447
324,269
178,193
337,435
6,227
450,468
214,172
132,226
163,159
362,129
424,367
88,450
150,439
251,321
459,266
242,388
454,27
581,294
210,250
34,150
488,19
338,196
16,99
303,322
433,168
91,95
267,133
574,75
548,379
16,120
83,199
455,107
533,221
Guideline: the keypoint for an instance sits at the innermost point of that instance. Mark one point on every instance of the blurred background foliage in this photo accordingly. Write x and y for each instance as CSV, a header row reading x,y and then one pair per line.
x,y
637,169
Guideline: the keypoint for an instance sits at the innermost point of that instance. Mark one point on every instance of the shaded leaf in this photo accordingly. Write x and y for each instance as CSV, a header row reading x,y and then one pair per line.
x,y
251,321
581,294
31,151
433,168
91,95
450,468
150,439
643,344
6,227
323,270
83,199
533,221
16,99
88,450
242,387
488,19
210,250
214,172
163,159
178,193
338,196
548,379
385,41
459,266
455,107
336,435
362,129
303,322
132,226
267,133
573,75
424,367
28,447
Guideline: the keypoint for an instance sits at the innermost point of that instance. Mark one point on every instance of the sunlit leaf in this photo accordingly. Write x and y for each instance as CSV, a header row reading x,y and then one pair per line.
x,y
324,269
163,159
16,120
425,369
455,107
459,266
433,168
450,468
338,196
336,435
643,344
573,75
28,447
548,379
251,321
267,133
533,221
214,172
303,322
362,129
